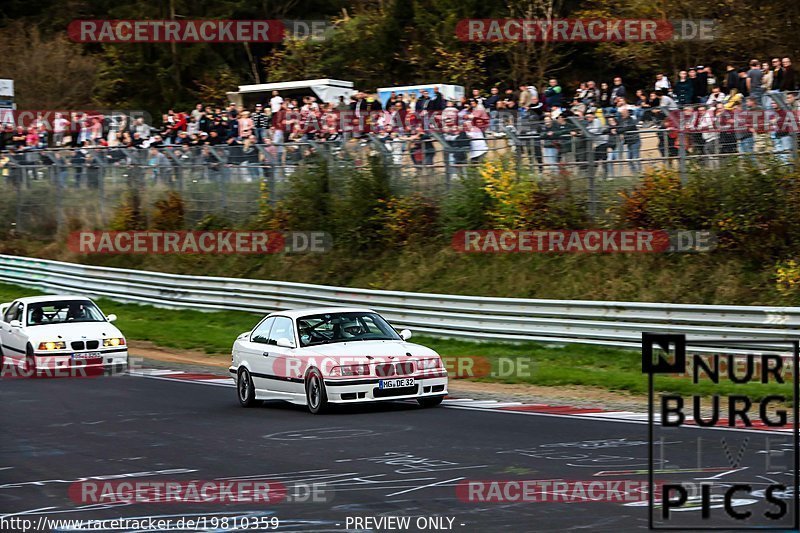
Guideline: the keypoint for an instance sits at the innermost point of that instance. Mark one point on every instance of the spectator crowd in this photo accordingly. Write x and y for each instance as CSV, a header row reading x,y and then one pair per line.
x,y
604,120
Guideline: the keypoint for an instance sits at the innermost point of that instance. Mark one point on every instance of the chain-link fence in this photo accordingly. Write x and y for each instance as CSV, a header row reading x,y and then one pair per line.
x,y
45,191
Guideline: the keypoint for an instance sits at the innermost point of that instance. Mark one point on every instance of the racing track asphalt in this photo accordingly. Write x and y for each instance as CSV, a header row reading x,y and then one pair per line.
x,y
393,459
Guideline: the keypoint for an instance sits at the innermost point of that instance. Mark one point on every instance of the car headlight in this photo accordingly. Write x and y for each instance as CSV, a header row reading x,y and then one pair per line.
x,y
429,364
114,341
350,370
52,345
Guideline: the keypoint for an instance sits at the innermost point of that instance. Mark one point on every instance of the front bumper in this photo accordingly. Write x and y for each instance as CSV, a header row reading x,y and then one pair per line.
x,y
347,390
76,363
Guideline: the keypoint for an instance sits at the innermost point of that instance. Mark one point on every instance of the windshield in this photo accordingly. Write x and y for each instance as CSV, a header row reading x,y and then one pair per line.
x,y
62,312
344,327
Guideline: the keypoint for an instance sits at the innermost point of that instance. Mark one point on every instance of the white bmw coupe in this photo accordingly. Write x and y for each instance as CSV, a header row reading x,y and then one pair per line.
x,y
322,356
58,335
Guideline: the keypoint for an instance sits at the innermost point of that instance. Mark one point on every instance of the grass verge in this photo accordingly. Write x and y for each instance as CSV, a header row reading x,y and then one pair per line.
x,y
518,363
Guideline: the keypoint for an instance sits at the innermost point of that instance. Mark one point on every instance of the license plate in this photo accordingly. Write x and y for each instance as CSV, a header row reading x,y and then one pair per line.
x,y
396,383
86,355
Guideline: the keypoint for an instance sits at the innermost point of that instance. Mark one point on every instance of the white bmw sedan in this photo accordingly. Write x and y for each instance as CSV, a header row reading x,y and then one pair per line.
x,y
317,357
60,336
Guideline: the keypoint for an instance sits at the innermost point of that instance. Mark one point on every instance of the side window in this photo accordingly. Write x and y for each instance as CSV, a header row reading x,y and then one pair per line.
x,y
14,312
283,329
261,333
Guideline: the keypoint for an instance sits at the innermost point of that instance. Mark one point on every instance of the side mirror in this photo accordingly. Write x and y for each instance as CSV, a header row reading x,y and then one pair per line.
x,y
285,343
405,334
15,324
111,318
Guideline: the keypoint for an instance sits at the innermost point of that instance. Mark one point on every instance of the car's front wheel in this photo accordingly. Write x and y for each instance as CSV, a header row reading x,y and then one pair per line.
x,y
316,397
245,389
430,401
30,363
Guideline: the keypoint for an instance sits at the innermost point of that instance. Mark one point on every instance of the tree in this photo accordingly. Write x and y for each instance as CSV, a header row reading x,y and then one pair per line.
x,y
48,72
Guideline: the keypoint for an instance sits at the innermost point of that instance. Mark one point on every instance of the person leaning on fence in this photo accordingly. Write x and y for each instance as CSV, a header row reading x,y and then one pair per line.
x,y
159,164
551,143
598,131
614,145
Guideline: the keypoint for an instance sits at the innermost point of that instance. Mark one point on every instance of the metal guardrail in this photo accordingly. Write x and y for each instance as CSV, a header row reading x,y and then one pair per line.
x,y
618,324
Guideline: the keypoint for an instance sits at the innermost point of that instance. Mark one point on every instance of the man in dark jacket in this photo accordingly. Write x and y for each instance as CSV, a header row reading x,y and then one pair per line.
x,y
437,101
744,90
630,136
777,74
684,89
554,99
700,80
789,81
423,102
491,107
618,90
731,79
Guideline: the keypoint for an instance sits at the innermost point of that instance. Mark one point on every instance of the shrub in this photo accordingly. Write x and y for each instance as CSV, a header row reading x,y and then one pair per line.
x,y
787,277
753,211
553,205
308,203
168,212
129,215
507,191
466,205
411,219
213,222
360,213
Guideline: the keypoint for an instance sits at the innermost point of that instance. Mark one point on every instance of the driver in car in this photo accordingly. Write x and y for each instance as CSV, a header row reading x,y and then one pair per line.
x,y
36,317
351,330
76,312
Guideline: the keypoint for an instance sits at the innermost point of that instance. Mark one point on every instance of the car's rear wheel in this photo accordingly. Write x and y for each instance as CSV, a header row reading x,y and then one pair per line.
x,y
430,401
316,397
245,389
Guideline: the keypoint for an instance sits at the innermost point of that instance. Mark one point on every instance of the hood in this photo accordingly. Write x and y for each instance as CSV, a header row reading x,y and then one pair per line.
x,y
381,351
72,331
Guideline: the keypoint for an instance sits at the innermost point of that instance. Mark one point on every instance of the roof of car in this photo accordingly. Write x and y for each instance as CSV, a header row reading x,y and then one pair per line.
x,y
297,313
51,298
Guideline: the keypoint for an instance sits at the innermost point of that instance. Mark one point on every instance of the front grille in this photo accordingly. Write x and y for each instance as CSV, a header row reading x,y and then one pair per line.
x,y
92,345
400,391
404,369
383,371
78,345
394,369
